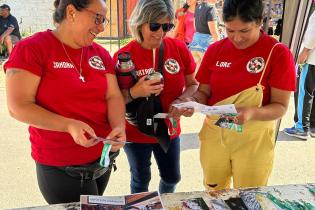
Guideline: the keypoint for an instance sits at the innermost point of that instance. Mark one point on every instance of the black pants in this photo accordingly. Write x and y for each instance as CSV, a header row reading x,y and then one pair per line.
x,y
58,187
304,116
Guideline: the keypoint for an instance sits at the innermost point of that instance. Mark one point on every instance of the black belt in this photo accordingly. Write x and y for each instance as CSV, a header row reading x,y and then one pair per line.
x,y
90,171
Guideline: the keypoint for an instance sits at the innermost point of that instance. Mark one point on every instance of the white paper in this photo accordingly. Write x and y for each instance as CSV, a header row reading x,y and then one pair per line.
x,y
160,115
208,110
113,200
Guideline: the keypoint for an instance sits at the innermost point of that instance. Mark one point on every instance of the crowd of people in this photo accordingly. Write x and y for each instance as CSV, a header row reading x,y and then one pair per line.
x,y
195,63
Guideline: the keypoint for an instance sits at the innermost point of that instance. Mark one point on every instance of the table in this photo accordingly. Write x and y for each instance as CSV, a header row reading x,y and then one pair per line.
x,y
270,197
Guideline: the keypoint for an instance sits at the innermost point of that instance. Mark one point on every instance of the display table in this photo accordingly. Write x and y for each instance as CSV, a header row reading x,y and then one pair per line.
x,y
272,197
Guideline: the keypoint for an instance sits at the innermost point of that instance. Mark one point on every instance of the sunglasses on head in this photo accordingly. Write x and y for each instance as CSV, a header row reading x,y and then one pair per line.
x,y
99,19
166,27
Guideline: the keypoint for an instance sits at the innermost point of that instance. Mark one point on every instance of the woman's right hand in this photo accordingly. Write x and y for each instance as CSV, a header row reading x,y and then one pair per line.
x,y
81,133
144,88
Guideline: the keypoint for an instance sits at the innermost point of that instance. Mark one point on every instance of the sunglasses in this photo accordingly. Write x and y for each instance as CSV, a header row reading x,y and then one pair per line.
x,y
99,19
166,27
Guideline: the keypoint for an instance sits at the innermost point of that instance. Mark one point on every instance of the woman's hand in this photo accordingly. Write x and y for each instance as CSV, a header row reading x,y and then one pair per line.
x,y
175,113
81,133
244,114
144,88
303,56
118,134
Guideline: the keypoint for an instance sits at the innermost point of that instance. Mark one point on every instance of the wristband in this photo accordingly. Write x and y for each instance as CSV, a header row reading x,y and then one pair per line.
x,y
195,98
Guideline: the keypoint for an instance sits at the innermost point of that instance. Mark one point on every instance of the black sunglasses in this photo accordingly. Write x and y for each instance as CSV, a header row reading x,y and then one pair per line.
x,y
166,27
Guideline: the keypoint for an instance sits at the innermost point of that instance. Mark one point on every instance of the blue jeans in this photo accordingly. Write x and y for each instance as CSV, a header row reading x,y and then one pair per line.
x,y
139,158
200,42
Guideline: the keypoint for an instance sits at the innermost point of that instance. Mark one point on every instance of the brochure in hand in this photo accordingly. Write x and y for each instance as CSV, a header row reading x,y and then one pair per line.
x,y
143,201
208,110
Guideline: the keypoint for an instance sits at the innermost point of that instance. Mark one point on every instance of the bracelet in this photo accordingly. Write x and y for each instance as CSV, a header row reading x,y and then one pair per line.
x,y
195,98
129,94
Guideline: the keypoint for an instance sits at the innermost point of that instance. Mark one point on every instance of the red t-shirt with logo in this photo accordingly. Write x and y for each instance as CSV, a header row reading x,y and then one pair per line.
x,y
62,92
178,62
229,70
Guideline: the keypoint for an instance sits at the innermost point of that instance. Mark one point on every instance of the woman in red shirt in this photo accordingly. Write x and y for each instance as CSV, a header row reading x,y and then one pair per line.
x,y
185,22
255,73
150,21
63,85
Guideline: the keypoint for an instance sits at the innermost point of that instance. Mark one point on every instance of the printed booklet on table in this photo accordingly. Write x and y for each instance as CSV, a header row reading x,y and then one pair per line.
x,y
143,201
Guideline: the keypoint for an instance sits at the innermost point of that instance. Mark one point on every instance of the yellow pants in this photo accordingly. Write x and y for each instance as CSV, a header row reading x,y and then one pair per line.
x,y
248,158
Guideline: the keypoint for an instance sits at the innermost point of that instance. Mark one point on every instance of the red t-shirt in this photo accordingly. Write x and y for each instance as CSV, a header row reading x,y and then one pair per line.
x,y
178,62
62,92
189,26
229,70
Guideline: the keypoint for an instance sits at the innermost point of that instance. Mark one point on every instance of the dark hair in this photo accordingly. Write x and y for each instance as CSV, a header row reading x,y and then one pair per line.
x,y
185,7
245,10
5,6
61,6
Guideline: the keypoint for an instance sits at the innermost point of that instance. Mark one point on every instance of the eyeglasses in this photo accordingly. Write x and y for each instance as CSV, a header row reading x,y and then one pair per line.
x,y
99,19
166,27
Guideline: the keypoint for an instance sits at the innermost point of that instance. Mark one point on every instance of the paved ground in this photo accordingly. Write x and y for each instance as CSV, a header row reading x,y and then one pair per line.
x,y
294,161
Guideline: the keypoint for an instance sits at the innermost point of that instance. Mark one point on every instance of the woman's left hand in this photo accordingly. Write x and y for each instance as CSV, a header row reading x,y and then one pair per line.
x,y
175,113
244,114
118,134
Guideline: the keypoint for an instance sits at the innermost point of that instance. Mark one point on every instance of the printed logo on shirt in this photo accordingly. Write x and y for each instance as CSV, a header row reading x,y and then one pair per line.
x,y
62,65
96,63
223,64
143,72
171,66
255,65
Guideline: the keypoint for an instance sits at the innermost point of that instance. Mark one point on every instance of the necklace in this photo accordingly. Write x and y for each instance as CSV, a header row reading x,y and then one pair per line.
x,y
79,71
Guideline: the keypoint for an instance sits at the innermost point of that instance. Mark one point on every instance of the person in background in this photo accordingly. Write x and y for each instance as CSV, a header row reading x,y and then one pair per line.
x,y
304,95
206,29
185,22
149,23
9,28
242,69
278,29
69,96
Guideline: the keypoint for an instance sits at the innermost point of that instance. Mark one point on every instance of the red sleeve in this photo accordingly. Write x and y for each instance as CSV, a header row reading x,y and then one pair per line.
x,y
115,57
26,55
187,58
283,73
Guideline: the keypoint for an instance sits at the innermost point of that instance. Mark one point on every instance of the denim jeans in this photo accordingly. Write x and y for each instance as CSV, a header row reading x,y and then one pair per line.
x,y
139,158
200,42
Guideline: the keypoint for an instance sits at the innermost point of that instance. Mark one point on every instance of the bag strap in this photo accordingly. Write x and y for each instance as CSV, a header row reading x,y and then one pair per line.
x,y
267,62
161,58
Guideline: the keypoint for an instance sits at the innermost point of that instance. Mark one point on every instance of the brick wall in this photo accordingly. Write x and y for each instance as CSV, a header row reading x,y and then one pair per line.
x,y
36,15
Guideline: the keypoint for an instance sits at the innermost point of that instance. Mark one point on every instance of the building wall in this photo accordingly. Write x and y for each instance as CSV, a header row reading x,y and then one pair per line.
x,y
33,15
36,15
